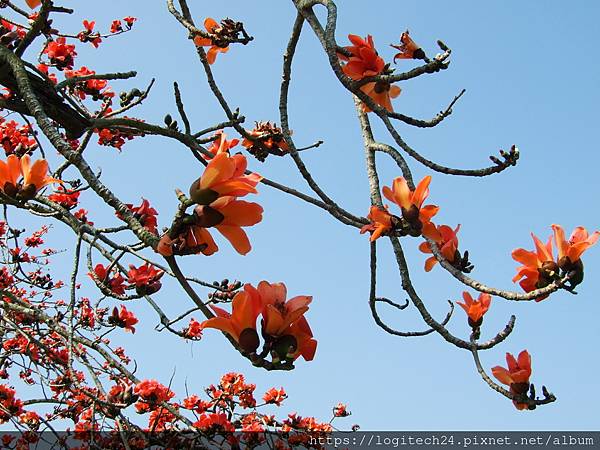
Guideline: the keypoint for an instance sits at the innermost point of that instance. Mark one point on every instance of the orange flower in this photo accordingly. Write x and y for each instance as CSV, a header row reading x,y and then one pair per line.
x,y
220,145
382,93
284,322
33,3
268,141
224,176
569,252
191,240
35,176
411,203
211,27
241,323
475,309
365,62
446,240
516,376
539,268
408,48
381,222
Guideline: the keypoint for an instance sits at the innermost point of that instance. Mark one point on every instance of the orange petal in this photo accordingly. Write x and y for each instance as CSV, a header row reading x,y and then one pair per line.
x,y
502,375
220,323
210,24
237,237
33,3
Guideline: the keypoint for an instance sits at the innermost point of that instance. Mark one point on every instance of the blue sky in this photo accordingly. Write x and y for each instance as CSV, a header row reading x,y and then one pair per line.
x,y
531,79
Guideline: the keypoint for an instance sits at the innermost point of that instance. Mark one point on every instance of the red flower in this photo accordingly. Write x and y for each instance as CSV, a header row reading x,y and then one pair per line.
x,y
145,214
88,34
274,396
82,216
365,62
10,406
129,21
33,3
569,252
341,410
475,309
67,198
114,283
446,240
60,53
123,319
145,278
516,376
193,330
408,48
116,26
88,87
213,422
151,393
212,27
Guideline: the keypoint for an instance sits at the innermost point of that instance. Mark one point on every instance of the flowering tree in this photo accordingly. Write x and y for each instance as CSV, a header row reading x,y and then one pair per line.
x,y
62,343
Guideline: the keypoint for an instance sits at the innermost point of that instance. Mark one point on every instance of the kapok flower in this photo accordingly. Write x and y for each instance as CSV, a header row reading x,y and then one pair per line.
x,y
224,176
284,322
191,240
67,198
381,222
33,3
211,27
123,319
214,423
241,323
145,278
408,48
447,241
60,53
268,140
115,282
275,396
475,309
229,215
341,410
35,176
151,394
516,376
569,252
220,145
539,268
411,203
365,62
145,214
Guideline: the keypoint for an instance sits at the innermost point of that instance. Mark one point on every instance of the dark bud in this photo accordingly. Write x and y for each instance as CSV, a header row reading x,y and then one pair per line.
x,y
411,215
208,217
419,54
249,340
549,269
520,388
148,289
475,325
168,120
202,196
10,190
27,192
285,346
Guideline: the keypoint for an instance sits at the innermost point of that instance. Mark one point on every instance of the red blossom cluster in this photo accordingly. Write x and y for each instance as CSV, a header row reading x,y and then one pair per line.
x,y
16,139
96,88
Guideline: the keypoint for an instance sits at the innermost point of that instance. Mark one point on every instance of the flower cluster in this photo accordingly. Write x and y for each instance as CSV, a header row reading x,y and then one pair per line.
x,y
60,54
95,88
540,268
284,328
216,194
16,139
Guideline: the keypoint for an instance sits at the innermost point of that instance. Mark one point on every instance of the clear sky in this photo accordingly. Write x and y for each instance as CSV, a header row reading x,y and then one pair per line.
x,y
531,75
